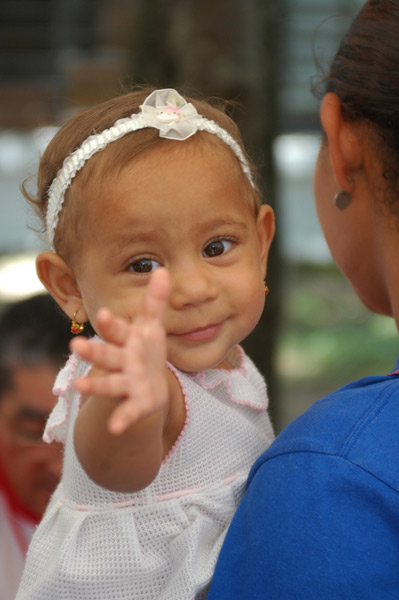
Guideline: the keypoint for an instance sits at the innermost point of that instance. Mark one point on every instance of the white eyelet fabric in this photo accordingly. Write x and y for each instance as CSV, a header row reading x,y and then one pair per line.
x,y
163,541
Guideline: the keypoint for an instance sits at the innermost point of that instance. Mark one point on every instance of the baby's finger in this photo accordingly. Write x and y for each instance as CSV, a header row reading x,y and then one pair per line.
x,y
127,414
111,328
142,401
121,420
103,356
156,296
110,385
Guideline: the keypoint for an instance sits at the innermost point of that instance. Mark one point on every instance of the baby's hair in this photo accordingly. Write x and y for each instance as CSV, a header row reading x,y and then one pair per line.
x,y
364,74
116,155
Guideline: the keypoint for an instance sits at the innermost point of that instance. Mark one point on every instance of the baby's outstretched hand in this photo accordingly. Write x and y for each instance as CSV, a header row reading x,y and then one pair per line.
x,y
133,357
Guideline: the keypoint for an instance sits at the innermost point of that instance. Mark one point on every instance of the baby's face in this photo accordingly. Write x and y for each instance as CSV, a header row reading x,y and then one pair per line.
x,y
191,213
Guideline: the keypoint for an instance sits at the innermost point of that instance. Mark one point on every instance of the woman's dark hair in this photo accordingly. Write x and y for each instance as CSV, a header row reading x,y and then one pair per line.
x,y
365,76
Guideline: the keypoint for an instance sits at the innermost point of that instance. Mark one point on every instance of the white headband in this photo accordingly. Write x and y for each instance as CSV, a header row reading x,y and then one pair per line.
x,y
164,110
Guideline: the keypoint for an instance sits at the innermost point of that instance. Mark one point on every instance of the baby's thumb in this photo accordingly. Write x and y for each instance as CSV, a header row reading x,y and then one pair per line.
x,y
157,295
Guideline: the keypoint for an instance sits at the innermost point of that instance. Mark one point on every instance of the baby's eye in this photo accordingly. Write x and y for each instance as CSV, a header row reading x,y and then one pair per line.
x,y
217,247
144,265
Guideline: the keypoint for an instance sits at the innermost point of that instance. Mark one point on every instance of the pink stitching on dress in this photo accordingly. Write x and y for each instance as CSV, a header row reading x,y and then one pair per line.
x,y
49,434
191,492
81,507
178,494
62,392
124,504
161,498
199,376
92,508
210,386
241,369
186,422
232,478
225,377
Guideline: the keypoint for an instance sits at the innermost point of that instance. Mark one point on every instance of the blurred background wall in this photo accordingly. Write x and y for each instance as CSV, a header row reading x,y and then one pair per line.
x,y
58,56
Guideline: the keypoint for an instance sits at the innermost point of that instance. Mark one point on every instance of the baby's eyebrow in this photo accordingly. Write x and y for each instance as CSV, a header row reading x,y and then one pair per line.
x,y
228,222
130,237
238,225
138,236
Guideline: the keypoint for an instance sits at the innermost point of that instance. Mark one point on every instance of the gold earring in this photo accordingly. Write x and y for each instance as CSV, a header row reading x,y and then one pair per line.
x,y
76,327
266,289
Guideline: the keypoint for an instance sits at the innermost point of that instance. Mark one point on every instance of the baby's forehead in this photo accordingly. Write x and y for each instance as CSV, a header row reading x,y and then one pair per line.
x,y
110,166
94,192
187,184
180,159
127,151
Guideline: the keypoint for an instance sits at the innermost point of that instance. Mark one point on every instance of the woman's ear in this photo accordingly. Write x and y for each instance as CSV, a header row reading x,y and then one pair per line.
x,y
60,281
344,141
265,226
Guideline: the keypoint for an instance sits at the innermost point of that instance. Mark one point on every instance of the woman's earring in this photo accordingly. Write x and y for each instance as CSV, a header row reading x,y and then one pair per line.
x,y
266,289
76,327
342,200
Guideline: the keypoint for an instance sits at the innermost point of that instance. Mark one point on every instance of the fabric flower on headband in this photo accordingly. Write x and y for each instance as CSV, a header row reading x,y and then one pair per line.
x,y
167,111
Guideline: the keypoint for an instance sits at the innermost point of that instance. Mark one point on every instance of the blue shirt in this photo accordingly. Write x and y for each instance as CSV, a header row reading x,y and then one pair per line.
x,y
320,518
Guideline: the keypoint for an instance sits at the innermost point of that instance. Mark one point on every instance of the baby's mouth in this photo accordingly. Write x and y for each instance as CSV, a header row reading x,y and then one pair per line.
x,y
200,334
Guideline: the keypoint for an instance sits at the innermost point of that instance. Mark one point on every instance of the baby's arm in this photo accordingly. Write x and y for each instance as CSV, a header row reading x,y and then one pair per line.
x,y
121,426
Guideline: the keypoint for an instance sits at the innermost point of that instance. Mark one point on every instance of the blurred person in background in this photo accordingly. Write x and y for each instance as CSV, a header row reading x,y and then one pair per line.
x,y
34,339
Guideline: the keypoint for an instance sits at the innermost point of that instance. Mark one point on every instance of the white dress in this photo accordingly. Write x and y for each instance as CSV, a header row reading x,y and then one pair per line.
x,y
161,542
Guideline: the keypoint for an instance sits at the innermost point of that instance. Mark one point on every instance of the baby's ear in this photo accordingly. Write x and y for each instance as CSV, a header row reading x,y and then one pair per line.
x,y
265,227
60,281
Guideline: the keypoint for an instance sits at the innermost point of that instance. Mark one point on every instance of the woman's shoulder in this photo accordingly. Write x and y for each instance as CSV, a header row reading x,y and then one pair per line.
x,y
358,423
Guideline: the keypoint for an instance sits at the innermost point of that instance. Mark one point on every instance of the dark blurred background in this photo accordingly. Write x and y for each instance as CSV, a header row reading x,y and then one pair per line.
x,y
58,56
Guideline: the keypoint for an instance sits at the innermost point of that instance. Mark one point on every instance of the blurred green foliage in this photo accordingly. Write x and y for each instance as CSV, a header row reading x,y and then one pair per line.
x,y
327,339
